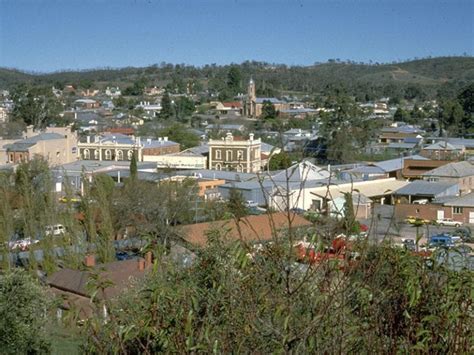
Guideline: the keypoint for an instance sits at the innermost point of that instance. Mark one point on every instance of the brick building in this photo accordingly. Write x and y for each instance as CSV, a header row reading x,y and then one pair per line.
x,y
230,153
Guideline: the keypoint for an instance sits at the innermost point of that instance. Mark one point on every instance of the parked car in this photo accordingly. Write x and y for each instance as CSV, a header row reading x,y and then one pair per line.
x,y
448,222
55,230
250,203
422,201
414,220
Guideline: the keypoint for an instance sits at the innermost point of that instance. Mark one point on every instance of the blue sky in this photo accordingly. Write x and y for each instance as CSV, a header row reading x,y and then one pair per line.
x,y
49,35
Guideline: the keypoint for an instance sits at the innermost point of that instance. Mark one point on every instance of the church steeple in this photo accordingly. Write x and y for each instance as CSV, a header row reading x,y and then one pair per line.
x,y
251,91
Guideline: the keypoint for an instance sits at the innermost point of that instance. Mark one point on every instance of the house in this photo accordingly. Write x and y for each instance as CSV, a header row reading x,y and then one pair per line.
x,y
154,91
232,153
414,169
398,134
249,229
379,170
3,114
86,104
57,145
113,91
443,151
467,143
227,108
72,286
89,92
461,173
379,191
152,110
425,190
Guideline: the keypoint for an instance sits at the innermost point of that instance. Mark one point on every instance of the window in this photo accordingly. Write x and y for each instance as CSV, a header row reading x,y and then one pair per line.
x,y
457,210
130,154
240,154
96,154
87,154
316,205
218,167
58,154
240,168
218,154
108,155
228,155
119,155
11,157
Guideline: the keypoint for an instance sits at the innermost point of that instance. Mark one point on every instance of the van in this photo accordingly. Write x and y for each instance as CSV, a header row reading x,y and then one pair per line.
x,y
441,240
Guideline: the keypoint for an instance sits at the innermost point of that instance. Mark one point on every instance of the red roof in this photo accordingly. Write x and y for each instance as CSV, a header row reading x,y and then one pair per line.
x,y
232,104
123,130
250,228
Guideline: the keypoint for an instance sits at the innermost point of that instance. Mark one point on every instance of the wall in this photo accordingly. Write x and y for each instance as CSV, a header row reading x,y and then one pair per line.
x,y
429,211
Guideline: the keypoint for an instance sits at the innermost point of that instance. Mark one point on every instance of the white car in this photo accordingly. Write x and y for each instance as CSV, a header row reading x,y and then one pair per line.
x,y
250,203
448,222
56,229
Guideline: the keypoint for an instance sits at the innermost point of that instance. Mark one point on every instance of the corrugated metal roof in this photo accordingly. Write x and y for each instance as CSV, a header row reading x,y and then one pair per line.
x,y
463,201
425,188
458,169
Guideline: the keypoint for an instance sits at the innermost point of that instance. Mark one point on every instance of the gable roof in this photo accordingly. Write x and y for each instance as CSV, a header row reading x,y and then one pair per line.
x,y
24,144
248,229
300,172
462,201
421,187
455,170
443,146
120,273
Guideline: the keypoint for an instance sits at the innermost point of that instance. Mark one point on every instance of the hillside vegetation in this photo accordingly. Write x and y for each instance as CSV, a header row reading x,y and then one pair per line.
x,y
431,75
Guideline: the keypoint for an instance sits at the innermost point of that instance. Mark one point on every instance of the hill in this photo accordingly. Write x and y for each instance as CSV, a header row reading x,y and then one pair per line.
x,y
381,79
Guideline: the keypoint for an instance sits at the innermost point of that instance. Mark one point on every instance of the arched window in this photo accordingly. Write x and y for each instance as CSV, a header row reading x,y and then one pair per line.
x,y
218,167
240,168
96,154
87,154
130,154
119,155
108,154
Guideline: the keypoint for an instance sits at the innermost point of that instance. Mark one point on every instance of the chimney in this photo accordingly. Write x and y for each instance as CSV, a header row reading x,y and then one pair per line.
x,y
148,258
89,260
251,136
141,264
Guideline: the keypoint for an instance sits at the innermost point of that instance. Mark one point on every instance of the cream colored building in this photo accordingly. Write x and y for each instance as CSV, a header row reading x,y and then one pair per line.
x,y
230,153
57,145
182,160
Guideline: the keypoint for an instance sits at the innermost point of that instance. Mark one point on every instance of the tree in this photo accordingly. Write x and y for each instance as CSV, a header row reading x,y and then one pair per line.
x,y
166,106
120,101
401,115
133,167
184,107
236,204
268,110
35,106
466,99
180,134
279,161
23,314
234,80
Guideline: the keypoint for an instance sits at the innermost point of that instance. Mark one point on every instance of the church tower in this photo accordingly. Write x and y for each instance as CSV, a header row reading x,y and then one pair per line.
x,y
251,99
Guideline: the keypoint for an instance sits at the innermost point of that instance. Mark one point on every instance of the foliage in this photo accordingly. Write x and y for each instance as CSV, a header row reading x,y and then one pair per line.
x,y
35,106
166,107
236,204
180,134
268,110
279,161
23,306
184,107
388,301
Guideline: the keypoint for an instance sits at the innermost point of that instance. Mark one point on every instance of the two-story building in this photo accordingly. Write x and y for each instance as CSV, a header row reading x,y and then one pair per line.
x,y
232,153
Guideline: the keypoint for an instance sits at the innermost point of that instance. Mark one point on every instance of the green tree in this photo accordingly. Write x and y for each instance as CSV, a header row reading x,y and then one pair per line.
x,y
268,110
184,107
401,115
180,134
166,106
120,102
35,106
133,167
234,80
279,161
23,314
236,204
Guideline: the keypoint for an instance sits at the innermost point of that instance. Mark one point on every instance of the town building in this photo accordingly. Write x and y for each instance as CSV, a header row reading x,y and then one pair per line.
x,y
461,173
253,105
120,147
57,145
113,91
231,153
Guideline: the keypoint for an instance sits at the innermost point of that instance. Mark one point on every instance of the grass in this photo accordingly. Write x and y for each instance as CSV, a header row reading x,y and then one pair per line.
x,y
64,340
